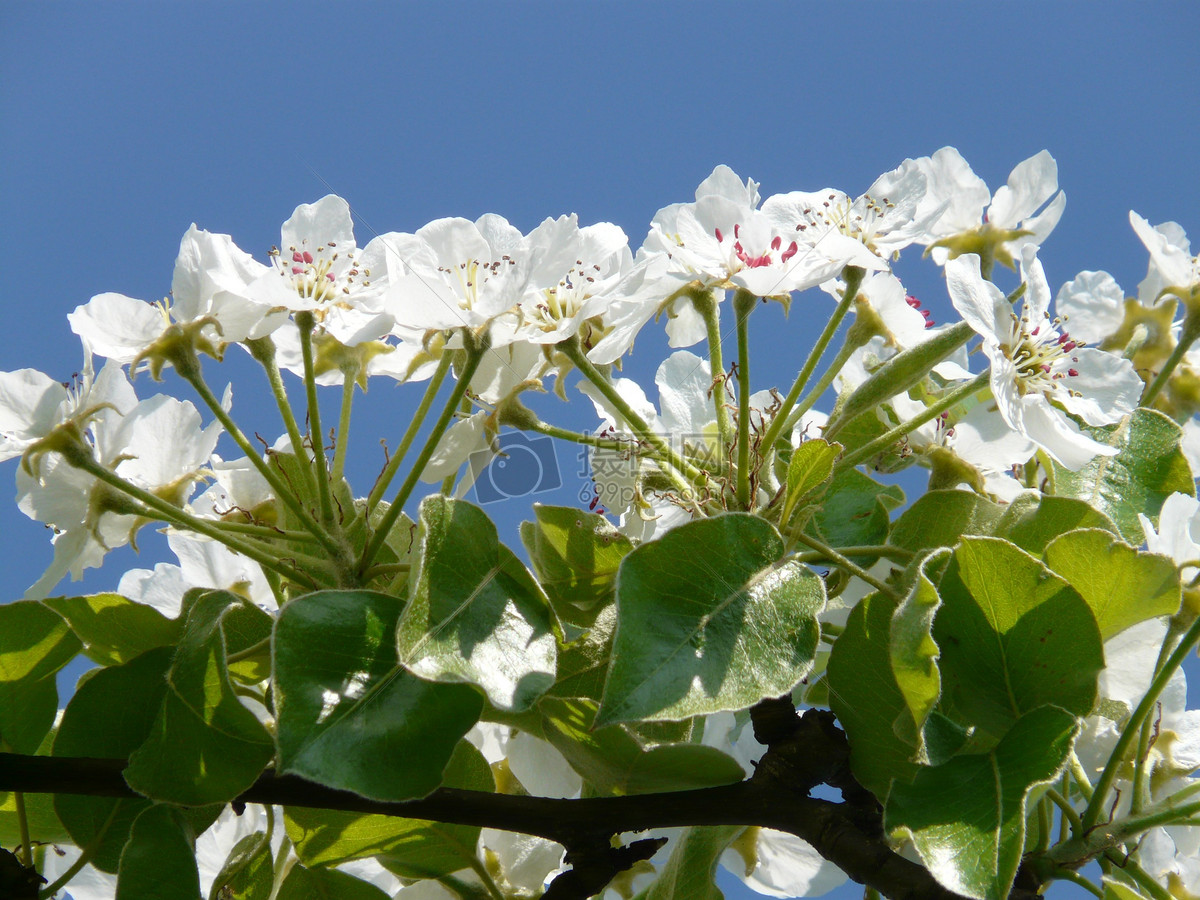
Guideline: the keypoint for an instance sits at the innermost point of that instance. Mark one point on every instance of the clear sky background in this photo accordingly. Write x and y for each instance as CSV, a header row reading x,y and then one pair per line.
x,y
122,123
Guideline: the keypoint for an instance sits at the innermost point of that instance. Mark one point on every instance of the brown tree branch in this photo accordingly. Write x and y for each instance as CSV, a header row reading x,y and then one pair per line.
x,y
803,751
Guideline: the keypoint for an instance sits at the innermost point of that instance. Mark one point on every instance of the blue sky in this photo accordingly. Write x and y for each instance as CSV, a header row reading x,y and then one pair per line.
x,y
125,122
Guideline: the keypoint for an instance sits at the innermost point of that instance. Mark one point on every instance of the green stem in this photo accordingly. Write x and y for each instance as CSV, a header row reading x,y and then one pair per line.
x,y
1137,800
853,277
252,650
85,856
884,441
1081,777
343,431
1076,878
706,305
843,563
23,828
1133,727
1045,823
1068,813
175,516
885,550
571,349
266,532
306,322
579,437
1191,331
410,434
1139,876
485,877
263,350
743,304
474,355
282,491
821,386
276,587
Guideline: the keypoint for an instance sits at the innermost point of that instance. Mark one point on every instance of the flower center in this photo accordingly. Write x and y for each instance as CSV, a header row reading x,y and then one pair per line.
x,y
319,272
756,258
1041,355
855,219
471,276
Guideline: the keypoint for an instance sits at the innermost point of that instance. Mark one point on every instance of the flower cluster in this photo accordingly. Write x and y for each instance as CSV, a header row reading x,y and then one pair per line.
x,y
501,314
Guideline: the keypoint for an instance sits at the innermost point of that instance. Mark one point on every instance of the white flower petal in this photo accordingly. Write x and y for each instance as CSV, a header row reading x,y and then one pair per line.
x,y
116,326
1092,305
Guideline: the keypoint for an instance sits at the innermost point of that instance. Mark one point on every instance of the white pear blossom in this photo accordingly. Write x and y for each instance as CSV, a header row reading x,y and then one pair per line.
x,y
573,274
159,446
1039,375
1173,267
724,241
882,222
972,218
1092,304
211,287
32,404
454,273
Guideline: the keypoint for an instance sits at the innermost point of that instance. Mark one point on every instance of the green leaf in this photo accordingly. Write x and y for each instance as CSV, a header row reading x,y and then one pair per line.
x,y
1013,637
966,817
348,716
914,654
326,884
867,700
1149,467
34,644
615,760
583,663
115,629
248,872
1121,584
575,555
159,862
476,615
810,466
413,848
1033,520
854,511
711,617
940,518
205,746
109,716
690,871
